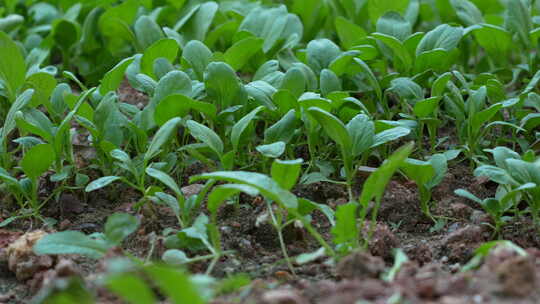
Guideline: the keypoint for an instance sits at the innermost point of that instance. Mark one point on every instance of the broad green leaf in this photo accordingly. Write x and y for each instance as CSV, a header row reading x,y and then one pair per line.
x,y
223,192
239,127
206,135
419,171
262,92
178,105
397,47
495,40
197,26
113,78
518,19
164,48
282,129
389,135
294,81
377,8
65,33
370,77
161,137
198,56
119,226
329,82
394,25
426,107
101,182
37,160
443,37
333,127
12,66
349,33
131,288
273,150
241,52
9,122
286,172
266,186
165,179
466,194
147,32
320,53
362,131
223,86
70,242
168,280
467,12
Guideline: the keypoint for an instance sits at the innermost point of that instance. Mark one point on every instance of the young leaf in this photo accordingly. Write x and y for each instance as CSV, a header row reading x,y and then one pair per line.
x,y
264,184
273,150
286,172
198,56
100,183
241,52
241,126
165,48
37,160
206,135
119,226
70,242
345,232
161,137
333,126
12,66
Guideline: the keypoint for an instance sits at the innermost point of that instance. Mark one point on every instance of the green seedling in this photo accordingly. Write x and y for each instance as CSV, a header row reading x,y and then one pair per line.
x,y
355,140
427,175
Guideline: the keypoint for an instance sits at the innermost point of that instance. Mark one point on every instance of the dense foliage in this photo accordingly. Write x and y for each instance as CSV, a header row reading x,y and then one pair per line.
x,y
267,96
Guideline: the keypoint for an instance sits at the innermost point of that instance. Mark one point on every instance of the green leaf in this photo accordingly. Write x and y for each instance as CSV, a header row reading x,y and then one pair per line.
x,y
37,160
495,40
419,171
286,172
223,192
70,242
282,129
112,79
467,12
394,25
168,280
370,77
101,182
397,47
131,288
466,194
443,37
198,56
147,32
197,26
294,81
345,232
164,48
241,126
241,52
518,19
349,33
266,186
273,150
377,8
206,135
65,33
320,53
389,135
426,107
161,137
333,127
329,82
223,86
119,226
9,122
362,131
12,66
166,179
178,105
376,183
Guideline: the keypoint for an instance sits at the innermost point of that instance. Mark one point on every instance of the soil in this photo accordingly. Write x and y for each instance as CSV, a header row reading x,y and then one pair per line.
x,y
432,274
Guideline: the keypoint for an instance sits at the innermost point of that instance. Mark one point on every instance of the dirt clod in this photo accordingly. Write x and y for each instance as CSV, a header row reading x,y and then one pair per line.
x,y
360,265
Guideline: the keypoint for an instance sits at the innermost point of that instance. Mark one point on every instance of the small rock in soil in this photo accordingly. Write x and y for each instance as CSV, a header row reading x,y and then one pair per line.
x,y
461,243
383,241
360,265
282,296
21,259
